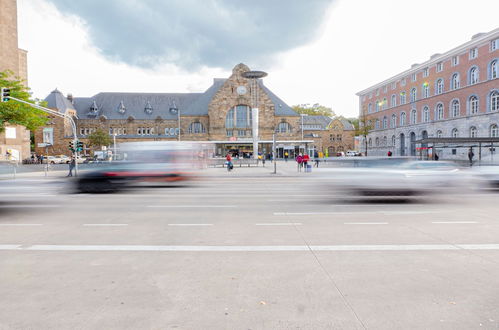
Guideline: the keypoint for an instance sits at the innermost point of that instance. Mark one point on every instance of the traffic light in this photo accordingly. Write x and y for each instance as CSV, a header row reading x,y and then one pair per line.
x,y
79,146
5,94
72,146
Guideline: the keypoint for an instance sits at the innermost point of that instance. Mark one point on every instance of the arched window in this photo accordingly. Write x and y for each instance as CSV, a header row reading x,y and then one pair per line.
x,y
413,94
385,122
377,142
439,112
385,141
494,101
377,106
402,119
439,87
473,75
370,108
393,140
473,131
426,114
385,104
426,90
455,108
238,117
370,142
283,128
473,104
455,81
402,97
494,130
455,133
196,128
439,134
394,121
394,100
414,116
494,69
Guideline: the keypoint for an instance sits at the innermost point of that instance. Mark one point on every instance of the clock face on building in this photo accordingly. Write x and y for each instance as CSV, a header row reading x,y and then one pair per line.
x,y
241,90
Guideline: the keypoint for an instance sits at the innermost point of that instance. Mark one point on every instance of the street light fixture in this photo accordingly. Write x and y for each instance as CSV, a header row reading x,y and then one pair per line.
x,y
253,76
174,110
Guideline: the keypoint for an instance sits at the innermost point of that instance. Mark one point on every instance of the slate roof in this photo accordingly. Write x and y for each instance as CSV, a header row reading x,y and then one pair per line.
x,y
143,106
317,120
347,126
56,100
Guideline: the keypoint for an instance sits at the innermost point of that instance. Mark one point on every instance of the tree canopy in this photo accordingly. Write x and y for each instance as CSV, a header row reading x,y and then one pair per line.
x,y
12,112
99,138
314,109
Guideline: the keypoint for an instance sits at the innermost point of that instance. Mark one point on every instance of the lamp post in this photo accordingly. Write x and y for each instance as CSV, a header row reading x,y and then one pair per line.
x,y
114,146
253,76
302,115
174,110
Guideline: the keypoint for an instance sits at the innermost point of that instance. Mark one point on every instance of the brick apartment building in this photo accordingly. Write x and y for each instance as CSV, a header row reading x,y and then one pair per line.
x,y
15,140
455,94
220,115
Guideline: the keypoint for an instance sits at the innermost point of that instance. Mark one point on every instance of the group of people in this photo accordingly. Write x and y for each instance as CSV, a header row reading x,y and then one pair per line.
x,y
302,161
37,159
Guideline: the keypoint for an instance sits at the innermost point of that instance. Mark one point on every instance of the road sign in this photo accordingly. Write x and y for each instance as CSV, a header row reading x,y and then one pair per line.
x,y
43,145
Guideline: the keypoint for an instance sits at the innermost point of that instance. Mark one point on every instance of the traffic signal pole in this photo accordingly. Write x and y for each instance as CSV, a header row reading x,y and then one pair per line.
x,y
58,114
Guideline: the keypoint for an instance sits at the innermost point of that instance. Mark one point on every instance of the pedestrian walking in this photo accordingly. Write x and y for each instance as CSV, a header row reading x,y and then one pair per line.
x,y
389,153
72,165
228,162
299,161
316,156
286,156
471,155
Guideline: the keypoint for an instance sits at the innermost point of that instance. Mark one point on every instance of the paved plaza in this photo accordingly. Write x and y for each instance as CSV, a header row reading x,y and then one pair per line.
x,y
244,250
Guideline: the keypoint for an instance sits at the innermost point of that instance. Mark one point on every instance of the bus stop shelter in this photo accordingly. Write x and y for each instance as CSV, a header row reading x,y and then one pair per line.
x,y
427,145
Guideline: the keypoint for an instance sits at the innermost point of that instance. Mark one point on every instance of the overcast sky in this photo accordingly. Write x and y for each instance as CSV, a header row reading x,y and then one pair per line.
x,y
315,51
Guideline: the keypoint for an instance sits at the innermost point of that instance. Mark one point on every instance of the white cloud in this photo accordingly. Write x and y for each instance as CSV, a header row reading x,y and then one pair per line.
x,y
363,42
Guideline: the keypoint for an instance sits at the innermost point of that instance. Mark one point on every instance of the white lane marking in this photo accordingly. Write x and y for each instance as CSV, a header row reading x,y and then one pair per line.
x,y
360,212
28,206
193,206
21,224
190,224
105,224
453,222
265,248
365,223
279,224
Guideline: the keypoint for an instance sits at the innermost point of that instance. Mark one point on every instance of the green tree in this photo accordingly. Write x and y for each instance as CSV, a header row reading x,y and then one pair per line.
x,y
99,138
315,109
364,126
12,112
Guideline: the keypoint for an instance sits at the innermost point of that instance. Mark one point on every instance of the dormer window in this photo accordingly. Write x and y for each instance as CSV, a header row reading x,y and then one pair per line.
x,y
94,108
148,108
121,108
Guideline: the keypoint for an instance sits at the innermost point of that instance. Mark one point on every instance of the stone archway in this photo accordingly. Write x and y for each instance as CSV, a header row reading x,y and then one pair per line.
x,y
402,144
413,143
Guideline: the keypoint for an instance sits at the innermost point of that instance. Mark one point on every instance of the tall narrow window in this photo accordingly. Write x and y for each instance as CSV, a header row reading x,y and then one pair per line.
x,y
426,114
439,112
494,131
393,140
440,66
473,53
426,90
439,87
473,104
394,101
413,94
494,69
370,108
455,60
402,119
394,121
473,132
414,116
455,81
385,104
439,134
473,76
385,122
402,97
455,133
494,101
455,108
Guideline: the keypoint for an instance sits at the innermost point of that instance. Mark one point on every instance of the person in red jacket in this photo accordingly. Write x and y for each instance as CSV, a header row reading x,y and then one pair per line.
x,y
228,161
299,161
306,159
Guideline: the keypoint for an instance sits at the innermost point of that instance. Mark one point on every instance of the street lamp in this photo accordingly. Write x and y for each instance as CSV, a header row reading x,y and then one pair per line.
x,y
253,76
174,110
302,115
114,145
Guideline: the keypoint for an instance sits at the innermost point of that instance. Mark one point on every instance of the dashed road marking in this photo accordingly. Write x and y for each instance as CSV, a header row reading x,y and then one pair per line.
x,y
279,224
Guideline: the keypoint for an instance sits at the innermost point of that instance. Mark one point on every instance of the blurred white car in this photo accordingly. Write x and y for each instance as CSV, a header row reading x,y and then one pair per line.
x,y
485,177
401,180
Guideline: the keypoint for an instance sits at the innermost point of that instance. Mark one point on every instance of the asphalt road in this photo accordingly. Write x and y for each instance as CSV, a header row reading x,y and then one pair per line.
x,y
236,252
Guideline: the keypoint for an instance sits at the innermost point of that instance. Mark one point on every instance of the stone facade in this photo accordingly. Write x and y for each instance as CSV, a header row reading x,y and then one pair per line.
x,y
456,95
14,59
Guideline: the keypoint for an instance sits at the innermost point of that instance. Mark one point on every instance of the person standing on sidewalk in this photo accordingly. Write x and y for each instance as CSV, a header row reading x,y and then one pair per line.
x,y
306,159
299,161
72,165
286,155
228,160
